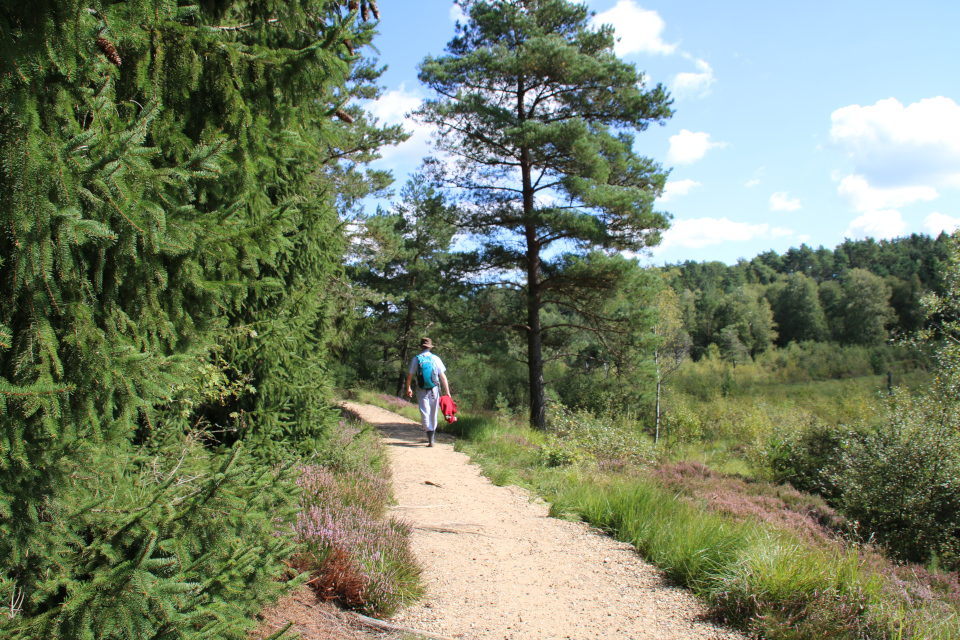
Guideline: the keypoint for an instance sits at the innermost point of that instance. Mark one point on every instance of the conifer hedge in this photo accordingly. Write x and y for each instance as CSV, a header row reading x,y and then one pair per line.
x,y
168,247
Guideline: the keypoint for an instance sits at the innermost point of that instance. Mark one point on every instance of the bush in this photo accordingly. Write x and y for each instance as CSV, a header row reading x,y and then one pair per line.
x,y
902,482
899,480
810,460
603,439
681,423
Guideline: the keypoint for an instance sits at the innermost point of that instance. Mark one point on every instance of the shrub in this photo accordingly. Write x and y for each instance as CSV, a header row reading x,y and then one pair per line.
x,y
602,438
556,452
810,460
682,424
902,482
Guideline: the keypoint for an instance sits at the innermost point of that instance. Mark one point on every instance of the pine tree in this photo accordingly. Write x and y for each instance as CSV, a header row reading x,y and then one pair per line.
x,y
165,175
537,112
404,262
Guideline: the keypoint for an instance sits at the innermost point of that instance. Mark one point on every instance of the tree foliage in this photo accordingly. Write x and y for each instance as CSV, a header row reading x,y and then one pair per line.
x,y
860,293
409,282
168,223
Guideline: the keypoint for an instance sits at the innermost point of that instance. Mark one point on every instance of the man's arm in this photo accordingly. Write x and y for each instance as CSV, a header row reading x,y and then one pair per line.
x,y
409,380
446,385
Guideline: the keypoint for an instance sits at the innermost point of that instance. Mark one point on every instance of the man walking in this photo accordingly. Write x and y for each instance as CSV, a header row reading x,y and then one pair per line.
x,y
430,373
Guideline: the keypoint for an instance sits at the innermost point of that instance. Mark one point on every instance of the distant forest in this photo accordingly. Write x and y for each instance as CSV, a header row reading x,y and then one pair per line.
x,y
863,292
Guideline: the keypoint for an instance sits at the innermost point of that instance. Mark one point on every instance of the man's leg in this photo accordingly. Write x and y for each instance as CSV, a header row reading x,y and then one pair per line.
x,y
434,408
434,414
423,402
429,403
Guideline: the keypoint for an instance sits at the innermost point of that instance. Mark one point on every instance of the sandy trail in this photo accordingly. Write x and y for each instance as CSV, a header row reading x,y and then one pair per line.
x,y
496,566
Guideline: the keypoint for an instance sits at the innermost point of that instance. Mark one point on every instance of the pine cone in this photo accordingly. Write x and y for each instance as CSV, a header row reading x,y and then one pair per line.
x,y
376,11
343,115
108,50
349,45
364,11
353,5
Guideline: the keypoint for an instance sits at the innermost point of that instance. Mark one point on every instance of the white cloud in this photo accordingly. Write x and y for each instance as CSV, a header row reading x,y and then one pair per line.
x,y
694,84
392,108
781,201
675,188
938,222
882,224
457,14
860,196
900,154
638,30
703,232
687,146
752,183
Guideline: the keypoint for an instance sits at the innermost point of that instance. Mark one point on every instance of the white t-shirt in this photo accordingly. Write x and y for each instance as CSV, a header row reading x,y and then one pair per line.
x,y
437,365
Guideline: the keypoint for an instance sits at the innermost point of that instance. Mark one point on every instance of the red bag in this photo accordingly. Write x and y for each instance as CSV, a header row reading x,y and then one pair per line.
x,y
448,408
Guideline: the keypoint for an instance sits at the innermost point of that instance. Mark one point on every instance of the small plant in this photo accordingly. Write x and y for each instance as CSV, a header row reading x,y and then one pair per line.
x,y
504,412
602,439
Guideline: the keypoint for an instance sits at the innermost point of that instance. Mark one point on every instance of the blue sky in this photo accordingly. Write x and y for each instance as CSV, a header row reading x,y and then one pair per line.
x,y
795,122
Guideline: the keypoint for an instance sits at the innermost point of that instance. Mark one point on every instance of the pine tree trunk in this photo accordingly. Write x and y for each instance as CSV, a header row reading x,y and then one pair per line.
x,y
538,395
405,348
402,376
386,365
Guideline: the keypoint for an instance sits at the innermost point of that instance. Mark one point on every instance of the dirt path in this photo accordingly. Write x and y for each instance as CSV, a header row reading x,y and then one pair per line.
x,y
496,566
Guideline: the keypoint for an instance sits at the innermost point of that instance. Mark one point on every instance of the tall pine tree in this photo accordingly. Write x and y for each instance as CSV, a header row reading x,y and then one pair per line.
x,y
538,114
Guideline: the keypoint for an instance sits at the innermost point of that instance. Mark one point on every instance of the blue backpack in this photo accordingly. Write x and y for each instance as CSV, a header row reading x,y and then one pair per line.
x,y
426,378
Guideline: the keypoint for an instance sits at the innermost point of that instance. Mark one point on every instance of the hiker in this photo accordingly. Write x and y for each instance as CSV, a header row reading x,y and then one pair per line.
x,y
430,373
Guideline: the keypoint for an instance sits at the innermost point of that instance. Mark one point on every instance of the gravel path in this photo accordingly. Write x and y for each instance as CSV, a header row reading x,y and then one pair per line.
x,y
496,566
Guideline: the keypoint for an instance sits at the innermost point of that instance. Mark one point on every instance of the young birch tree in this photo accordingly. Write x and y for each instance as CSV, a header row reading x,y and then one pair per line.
x,y
538,116
671,346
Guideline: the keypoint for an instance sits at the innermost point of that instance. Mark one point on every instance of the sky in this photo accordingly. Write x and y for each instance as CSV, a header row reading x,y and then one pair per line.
x,y
800,122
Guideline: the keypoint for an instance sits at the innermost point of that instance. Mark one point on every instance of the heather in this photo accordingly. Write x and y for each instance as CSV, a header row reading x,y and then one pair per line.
x,y
355,553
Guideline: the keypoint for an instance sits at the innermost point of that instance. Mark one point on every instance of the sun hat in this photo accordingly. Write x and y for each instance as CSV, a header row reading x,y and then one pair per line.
x,y
426,342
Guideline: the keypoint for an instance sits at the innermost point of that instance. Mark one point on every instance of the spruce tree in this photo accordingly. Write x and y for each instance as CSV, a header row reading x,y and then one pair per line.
x,y
538,115
166,171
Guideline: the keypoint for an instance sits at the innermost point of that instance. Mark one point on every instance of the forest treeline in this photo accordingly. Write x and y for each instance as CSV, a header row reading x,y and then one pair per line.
x,y
847,312
863,292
